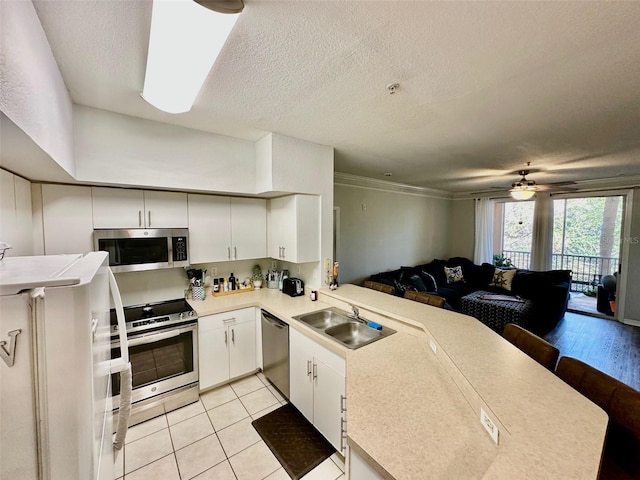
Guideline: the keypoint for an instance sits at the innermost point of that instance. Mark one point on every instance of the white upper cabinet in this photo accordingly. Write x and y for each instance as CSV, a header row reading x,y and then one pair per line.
x,y
226,228
67,219
126,208
294,228
15,214
165,209
209,228
248,228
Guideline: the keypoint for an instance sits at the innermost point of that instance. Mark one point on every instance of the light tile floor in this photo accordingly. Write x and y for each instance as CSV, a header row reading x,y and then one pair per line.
x,y
212,439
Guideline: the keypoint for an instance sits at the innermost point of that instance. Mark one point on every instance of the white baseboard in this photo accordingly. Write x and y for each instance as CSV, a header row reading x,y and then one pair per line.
x,y
629,321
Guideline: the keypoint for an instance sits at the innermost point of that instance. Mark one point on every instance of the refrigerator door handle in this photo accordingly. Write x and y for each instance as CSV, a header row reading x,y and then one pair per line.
x,y
121,365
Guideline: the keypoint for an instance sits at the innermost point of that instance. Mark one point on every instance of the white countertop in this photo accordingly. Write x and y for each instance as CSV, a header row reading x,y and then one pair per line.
x,y
416,414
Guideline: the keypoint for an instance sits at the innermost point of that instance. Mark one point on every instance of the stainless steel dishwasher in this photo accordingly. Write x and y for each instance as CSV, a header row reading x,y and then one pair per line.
x,y
275,351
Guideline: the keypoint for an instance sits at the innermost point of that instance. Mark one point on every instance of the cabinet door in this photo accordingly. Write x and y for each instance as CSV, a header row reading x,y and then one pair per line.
x,y
209,228
16,221
117,208
327,396
289,230
248,228
165,209
24,217
307,248
213,356
242,349
275,220
67,219
300,372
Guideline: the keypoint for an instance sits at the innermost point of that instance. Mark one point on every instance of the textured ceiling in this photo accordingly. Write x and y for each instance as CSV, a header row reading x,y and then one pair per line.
x,y
484,86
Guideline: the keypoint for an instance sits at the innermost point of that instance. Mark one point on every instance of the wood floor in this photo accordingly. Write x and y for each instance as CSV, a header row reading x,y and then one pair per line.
x,y
604,344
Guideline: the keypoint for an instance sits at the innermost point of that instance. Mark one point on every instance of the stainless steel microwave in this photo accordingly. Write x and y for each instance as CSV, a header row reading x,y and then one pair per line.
x,y
140,249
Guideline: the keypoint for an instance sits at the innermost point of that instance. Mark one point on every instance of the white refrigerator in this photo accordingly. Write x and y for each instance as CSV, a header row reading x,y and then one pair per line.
x,y
55,390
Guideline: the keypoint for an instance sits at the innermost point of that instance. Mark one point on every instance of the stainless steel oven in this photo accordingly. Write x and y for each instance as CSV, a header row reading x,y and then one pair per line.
x,y
163,351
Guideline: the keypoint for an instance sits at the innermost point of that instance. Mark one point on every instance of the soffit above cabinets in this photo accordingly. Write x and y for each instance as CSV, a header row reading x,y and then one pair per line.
x,y
483,87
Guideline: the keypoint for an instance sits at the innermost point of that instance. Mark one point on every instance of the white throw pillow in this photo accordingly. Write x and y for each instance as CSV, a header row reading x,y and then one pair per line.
x,y
503,278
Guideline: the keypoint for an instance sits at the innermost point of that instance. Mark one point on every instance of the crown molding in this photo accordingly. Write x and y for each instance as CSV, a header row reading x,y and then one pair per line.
x,y
348,180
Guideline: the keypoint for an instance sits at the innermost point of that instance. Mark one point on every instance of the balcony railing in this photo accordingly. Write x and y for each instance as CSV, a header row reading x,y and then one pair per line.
x,y
586,270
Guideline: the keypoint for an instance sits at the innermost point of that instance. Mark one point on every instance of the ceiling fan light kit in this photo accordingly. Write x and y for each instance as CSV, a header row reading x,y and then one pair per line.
x,y
184,42
523,189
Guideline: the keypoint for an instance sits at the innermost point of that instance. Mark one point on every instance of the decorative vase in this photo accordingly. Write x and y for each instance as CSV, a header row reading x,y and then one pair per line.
x,y
257,284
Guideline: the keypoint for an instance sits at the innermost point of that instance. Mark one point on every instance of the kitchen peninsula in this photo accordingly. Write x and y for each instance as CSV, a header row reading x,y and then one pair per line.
x,y
414,398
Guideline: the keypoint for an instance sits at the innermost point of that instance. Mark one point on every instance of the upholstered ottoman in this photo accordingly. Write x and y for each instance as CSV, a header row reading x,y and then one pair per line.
x,y
496,313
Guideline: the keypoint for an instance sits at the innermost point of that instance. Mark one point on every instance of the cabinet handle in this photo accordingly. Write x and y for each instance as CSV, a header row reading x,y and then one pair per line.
x,y
279,252
315,371
233,336
343,404
228,253
225,337
235,253
149,218
308,368
139,218
343,433
283,253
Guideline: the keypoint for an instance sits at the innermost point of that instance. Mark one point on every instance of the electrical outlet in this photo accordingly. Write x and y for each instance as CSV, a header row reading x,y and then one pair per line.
x,y
364,207
489,425
213,271
433,345
274,266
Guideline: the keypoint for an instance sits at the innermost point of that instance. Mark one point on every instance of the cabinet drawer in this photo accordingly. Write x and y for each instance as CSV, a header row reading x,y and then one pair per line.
x,y
227,319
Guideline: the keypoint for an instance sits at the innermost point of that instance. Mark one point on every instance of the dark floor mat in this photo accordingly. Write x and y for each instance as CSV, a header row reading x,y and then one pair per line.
x,y
297,445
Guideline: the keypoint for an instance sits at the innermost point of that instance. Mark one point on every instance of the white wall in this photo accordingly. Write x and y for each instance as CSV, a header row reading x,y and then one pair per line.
x,y
394,229
32,92
119,149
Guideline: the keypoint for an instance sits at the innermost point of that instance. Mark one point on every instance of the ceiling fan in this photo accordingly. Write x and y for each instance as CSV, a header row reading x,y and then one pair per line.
x,y
525,189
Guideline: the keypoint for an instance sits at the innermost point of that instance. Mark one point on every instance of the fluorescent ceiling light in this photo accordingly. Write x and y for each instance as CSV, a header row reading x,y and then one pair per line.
x,y
184,43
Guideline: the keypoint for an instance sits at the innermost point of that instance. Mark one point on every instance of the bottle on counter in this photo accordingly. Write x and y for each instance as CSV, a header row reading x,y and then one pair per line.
x,y
232,282
216,286
226,286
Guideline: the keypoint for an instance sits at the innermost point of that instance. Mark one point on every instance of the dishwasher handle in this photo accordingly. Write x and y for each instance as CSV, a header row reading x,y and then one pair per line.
x,y
276,322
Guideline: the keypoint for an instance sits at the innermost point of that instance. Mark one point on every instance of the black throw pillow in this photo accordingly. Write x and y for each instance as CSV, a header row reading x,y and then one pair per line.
x,y
429,281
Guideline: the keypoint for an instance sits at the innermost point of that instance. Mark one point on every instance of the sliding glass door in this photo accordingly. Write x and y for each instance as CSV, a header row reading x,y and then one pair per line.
x,y
586,240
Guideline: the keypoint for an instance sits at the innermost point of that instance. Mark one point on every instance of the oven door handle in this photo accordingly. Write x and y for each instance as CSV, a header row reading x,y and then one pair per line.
x,y
156,337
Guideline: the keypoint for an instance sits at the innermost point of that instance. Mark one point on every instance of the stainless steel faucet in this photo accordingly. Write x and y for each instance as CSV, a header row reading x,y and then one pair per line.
x,y
356,314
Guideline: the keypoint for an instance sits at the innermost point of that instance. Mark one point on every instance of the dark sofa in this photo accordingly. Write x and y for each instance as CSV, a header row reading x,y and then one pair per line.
x,y
547,291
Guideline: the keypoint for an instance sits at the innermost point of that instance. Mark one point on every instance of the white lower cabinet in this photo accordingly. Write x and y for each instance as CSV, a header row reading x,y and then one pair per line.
x,y
317,386
359,469
226,346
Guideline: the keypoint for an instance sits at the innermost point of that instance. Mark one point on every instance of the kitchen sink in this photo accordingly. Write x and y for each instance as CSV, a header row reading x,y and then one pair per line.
x,y
324,319
343,328
352,333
